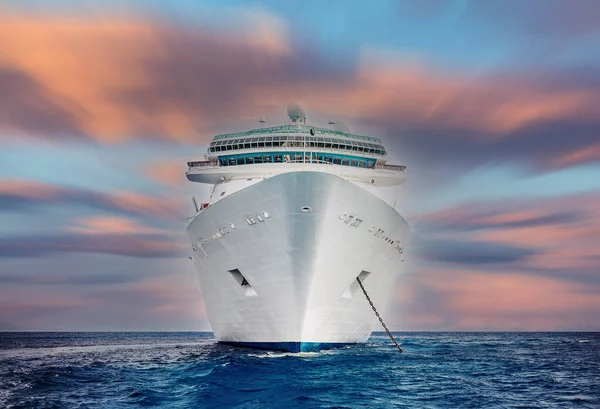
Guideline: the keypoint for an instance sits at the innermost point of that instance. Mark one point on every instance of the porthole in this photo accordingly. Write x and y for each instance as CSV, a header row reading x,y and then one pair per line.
x,y
306,209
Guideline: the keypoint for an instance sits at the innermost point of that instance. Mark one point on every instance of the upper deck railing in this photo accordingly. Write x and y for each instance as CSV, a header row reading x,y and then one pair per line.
x,y
295,129
391,167
400,168
202,163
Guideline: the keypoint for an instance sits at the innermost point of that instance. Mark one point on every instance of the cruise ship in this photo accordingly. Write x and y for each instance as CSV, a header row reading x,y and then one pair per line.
x,y
297,213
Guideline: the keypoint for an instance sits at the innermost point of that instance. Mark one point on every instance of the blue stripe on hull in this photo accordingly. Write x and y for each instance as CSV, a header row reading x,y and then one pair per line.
x,y
287,346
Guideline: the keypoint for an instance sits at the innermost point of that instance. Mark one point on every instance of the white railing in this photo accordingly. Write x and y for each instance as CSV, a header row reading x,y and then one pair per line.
x,y
391,167
397,168
202,163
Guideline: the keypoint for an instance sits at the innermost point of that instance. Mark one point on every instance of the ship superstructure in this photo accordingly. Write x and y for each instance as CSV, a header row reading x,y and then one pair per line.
x,y
297,213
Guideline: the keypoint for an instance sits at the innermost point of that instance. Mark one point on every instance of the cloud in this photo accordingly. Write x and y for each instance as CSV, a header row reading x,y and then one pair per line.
x,y
170,301
558,238
473,300
112,225
168,172
18,195
118,79
512,214
119,244
472,252
26,105
547,18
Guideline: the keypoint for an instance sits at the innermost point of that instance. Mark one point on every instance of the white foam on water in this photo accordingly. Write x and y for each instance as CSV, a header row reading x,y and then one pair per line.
x,y
44,351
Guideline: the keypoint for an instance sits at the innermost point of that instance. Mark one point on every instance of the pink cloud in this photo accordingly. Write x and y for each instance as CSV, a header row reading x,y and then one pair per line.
x,y
476,300
582,155
129,202
168,172
104,225
121,78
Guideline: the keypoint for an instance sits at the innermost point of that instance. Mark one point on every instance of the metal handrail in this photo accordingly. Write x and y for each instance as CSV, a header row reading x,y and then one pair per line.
x,y
195,164
391,167
295,129
287,148
401,168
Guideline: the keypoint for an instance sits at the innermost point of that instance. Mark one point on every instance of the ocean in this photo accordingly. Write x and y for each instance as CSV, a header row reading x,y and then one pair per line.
x,y
191,370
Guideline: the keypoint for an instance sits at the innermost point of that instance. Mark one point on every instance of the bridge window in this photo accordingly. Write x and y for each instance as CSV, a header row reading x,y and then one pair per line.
x,y
362,164
249,160
354,163
337,161
278,158
328,159
346,162
232,161
268,159
240,161
258,159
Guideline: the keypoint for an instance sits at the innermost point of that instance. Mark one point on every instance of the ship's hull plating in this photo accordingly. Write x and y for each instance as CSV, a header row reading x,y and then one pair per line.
x,y
300,266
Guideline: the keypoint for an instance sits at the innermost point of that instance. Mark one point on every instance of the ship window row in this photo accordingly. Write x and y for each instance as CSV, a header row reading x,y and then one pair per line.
x,y
296,157
296,141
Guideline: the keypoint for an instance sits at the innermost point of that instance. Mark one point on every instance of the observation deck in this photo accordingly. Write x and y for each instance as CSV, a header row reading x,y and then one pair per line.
x,y
295,147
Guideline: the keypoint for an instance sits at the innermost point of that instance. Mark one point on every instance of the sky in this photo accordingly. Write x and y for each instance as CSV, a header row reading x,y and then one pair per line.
x,y
493,106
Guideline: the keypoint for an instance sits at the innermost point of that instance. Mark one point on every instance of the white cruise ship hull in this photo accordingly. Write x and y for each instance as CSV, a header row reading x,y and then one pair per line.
x,y
288,282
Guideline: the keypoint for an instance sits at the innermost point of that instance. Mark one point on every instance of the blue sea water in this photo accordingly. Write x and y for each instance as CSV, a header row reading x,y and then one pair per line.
x,y
191,370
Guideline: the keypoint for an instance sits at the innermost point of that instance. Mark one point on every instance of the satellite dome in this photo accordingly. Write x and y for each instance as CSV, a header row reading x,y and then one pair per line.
x,y
296,113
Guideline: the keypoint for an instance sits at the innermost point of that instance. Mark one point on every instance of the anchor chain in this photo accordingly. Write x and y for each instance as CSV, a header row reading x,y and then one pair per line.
x,y
378,316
